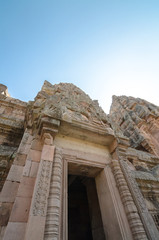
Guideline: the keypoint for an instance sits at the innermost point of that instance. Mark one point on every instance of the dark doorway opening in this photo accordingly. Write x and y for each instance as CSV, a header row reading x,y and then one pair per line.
x,y
84,217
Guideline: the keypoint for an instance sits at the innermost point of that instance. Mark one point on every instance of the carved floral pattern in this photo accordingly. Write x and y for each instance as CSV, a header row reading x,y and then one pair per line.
x,y
40,201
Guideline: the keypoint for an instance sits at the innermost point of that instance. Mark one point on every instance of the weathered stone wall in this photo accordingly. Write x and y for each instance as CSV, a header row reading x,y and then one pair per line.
x,y
12,114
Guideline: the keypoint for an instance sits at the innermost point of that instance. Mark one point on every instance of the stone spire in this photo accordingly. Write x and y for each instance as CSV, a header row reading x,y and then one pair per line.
x,y
138,120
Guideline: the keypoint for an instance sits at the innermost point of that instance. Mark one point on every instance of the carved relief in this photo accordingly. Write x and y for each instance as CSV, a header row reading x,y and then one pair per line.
x,y
53,218
139,201
40,200
129,205
42,186
134,186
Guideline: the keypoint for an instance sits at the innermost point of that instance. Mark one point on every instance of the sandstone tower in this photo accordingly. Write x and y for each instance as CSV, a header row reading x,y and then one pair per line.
x,y
68,171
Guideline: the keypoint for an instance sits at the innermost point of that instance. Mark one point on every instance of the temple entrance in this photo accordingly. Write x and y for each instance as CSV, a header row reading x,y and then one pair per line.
x,y
84,217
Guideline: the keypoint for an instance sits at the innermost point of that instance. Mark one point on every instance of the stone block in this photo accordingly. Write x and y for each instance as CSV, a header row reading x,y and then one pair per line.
x,y
15,173
20,159
113,146
36,145
24,148
25,137
35,228
34,155
48,153
34,169
9,191
20,210
30,138
26,187
27,168
5,210
15,231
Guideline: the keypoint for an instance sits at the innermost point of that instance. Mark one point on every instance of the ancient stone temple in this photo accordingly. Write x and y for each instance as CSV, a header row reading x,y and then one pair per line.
x,y
68,171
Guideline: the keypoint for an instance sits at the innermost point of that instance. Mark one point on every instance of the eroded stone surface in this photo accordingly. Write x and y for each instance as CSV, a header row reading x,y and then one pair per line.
x,y
67,102
12,114
138,120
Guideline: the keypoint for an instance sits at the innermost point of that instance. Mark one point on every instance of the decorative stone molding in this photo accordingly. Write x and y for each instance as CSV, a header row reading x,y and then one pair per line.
x,y
40,198
53,217
48,125
136,225
132,182
149,225
48,140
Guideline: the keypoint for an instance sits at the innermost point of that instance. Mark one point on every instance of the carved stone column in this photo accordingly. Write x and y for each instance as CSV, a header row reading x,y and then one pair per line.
x,y
53,217
136,225
149,224
37,215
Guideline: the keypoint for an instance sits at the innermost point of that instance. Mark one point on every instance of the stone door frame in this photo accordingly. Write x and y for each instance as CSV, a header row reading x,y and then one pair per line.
x,y
105,185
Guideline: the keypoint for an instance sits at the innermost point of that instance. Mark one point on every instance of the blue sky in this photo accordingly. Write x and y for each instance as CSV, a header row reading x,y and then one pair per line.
x,y
104,47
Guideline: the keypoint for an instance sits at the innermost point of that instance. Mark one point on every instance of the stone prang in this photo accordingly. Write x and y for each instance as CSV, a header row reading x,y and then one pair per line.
x,y
70,171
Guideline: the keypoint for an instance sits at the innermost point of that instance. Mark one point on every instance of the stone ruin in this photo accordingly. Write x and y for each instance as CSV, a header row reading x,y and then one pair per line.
x,y
69,171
